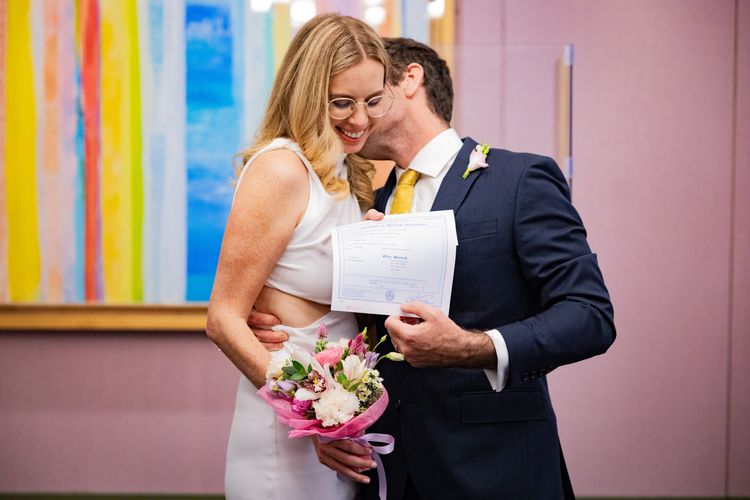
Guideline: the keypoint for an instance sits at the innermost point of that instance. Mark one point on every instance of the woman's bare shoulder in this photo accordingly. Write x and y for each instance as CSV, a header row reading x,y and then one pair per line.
x,y
281,164
274,175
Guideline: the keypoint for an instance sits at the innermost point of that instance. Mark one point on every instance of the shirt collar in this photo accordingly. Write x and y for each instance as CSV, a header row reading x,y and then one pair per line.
x,y
436,154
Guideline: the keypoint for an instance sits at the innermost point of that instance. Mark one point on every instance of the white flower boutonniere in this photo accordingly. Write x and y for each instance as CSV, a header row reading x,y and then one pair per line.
x,y
477,159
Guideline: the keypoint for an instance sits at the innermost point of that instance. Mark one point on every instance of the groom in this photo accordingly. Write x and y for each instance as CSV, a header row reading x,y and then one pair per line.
x,y
470,409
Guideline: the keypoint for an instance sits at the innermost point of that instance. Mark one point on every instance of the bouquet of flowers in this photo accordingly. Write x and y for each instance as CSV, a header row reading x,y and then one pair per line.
x,y
334,393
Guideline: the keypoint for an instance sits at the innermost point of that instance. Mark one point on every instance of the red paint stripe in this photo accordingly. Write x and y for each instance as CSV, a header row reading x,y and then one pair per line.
x,y
90,69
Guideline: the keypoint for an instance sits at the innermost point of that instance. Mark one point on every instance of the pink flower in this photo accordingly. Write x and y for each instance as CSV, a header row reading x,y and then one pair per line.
x,y
301,406
357,345
321,331
329,356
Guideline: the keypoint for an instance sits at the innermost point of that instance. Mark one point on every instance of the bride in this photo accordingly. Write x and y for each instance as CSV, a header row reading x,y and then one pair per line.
x,y
301,178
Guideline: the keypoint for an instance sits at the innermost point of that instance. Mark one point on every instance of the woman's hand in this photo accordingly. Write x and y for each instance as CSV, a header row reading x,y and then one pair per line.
x,y
346,457
261,324
373,214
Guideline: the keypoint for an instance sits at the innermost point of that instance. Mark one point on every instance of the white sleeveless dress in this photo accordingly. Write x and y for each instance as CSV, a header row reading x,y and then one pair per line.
x,y
262,462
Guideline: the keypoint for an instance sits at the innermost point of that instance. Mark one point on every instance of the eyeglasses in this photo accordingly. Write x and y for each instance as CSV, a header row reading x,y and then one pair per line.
x,y
342,108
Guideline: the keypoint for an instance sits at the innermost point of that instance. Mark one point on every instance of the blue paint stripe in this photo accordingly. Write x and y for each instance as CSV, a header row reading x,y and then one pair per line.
x,y
212,135
80,197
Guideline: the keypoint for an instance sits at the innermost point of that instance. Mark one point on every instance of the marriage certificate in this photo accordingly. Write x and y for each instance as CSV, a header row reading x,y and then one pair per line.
x,y
378,265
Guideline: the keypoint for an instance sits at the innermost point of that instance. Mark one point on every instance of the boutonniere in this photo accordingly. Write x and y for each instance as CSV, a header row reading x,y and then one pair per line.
x,y
477,159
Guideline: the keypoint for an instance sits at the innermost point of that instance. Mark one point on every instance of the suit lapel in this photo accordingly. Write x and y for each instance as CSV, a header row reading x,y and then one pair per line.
x,y
382,195
454,187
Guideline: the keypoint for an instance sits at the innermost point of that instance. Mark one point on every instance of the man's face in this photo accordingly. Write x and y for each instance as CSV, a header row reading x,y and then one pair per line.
x,y
385,136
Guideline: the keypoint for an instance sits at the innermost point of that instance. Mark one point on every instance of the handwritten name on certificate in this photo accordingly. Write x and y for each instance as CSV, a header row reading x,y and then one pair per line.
x,y
378,265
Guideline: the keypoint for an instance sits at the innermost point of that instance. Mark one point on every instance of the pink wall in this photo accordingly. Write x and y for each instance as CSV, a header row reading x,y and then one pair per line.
x,y
739,423
654,154
663,185
113,412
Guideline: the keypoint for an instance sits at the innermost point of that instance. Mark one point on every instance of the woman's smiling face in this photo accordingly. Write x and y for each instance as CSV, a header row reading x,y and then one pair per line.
x,y
360,83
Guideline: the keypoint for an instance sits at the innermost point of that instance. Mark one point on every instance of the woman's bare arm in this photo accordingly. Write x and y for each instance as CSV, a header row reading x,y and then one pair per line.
x,y
269,203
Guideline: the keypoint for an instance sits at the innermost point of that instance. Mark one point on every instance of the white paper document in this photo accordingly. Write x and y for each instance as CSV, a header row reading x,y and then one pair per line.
x,y
378,265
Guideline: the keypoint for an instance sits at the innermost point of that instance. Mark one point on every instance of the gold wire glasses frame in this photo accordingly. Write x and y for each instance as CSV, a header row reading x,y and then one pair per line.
x,y
342,108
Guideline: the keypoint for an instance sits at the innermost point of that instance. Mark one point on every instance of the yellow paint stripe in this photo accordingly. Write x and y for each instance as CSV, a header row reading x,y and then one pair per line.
x,y
282,33
116,152
136,165
397,28
391,27
20,158
4,295
443,34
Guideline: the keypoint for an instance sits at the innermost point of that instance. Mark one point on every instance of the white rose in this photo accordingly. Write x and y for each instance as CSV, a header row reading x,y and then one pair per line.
x,y
336,405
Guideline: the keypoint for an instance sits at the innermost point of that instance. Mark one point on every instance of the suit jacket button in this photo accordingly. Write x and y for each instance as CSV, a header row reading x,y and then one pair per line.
x,y
398,404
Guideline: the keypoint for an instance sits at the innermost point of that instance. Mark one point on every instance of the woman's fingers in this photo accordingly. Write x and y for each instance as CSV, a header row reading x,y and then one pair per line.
x,y
346,457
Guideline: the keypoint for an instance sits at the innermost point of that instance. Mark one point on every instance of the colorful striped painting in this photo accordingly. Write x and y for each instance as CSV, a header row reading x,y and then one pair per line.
x,y
119,121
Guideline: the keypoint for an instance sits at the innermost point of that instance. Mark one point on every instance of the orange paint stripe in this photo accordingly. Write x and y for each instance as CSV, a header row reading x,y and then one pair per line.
x,y
90,67
49,185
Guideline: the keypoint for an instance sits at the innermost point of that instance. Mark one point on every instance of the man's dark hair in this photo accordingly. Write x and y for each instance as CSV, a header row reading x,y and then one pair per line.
x,y
437,76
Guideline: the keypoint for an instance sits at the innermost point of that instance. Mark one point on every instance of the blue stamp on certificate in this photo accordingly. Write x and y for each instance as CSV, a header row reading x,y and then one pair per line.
x,y
389,295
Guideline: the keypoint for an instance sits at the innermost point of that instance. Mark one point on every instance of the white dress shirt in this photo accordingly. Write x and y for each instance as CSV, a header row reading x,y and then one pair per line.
x,y
433,162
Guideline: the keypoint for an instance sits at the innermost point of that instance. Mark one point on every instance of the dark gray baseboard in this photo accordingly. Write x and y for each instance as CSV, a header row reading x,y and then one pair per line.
x,y
156,496
98,496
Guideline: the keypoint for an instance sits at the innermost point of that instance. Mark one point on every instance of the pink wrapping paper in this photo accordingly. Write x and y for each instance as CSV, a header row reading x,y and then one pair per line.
x,y
302,426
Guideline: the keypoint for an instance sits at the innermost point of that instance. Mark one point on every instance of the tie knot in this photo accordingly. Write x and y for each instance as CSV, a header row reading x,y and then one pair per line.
x,y
409,178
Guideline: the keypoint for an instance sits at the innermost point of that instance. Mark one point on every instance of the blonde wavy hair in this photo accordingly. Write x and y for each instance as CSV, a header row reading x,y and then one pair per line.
x,y
298,106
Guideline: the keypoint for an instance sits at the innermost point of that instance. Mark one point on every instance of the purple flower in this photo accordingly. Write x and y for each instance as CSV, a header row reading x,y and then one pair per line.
x,y
301,406
286,385
357,345
370,359
274,388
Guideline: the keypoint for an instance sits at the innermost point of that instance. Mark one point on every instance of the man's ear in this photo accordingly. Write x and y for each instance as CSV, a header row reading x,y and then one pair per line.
x,y
412,80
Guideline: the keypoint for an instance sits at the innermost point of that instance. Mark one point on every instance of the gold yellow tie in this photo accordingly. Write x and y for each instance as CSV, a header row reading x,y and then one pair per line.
x,y
404,192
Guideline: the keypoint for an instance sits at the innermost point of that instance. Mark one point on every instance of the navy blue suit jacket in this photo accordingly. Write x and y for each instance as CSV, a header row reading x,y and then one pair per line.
x,y
523,266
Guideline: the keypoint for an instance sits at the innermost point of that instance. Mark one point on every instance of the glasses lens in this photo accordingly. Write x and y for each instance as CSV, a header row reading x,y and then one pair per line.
x,y
341,108
379,105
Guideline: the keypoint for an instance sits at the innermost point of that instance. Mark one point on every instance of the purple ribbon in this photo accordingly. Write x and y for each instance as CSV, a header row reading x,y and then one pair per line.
x,y
382,449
